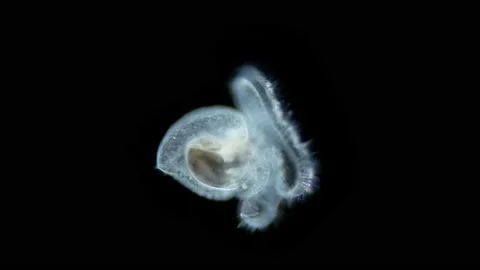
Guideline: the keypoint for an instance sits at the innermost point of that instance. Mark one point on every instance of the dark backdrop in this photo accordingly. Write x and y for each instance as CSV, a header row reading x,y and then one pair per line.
x,y
104,92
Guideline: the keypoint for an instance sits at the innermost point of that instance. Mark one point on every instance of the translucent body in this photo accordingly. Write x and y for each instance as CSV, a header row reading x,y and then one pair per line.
x,y
254,154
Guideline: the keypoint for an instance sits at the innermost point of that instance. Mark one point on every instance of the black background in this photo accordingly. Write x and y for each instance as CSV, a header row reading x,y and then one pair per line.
x,y
105,89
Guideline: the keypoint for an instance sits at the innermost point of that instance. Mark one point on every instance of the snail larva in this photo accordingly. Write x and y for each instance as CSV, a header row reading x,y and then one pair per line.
x,y
254,153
